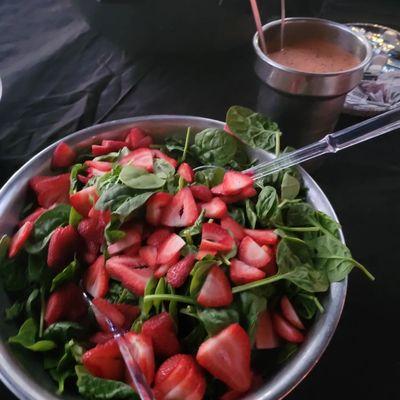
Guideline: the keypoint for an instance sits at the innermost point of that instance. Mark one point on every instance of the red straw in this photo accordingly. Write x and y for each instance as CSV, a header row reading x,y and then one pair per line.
x,y
257,20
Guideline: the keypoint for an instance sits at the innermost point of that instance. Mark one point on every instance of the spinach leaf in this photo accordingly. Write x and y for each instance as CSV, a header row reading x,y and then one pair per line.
x,y
238,215
74,217
26,337
4,244
115,194
210,176
160,289
60,377
37,268
14,311
74,181
290,187
67,274
30,302
139,178
163,169
131,204
102,389
63,331
215,320
118,294
252,128
13,274
307,305
287,352
251,214
149,289
111,232
266,205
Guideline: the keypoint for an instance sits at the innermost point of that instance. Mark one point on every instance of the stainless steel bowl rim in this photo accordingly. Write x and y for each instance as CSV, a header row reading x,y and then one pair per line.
x,y
287,378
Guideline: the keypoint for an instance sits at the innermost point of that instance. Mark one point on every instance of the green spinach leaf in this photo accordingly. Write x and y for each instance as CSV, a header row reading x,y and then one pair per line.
x,y
290,187
266,205
67,274
63,331
139,178
215,320
251,214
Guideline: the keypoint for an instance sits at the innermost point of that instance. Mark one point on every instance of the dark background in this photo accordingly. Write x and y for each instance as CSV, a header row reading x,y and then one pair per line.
x,y
59,76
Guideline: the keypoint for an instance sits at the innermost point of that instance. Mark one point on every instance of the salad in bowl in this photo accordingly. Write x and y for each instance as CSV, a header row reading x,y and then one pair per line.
x,y
216,279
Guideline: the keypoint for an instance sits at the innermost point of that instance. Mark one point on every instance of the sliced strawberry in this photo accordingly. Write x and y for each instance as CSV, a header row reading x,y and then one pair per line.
x,y
170,248
96,278
231,395
204,253
155,207
91,172
113,145
84,200
100,337
215,208
186,172
266,337
103,166
246,193
33,216
285,330
149,256
92,231
51,189
234,182
142,351
263,236
226,356
159,154
181,211
158,236
179,378
133,279
242,273
63,245
65,303
161,330
253,254
163,268
201,193
19,238
128,261
134,138
130,313
216,290
106,309
218,190
104,361
215,238
234,227
84,179
132,251
289,312
131,238
63,156
179,272
141,158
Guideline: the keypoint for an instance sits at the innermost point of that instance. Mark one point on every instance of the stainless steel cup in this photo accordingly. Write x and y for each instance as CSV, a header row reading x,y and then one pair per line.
x,y
306,105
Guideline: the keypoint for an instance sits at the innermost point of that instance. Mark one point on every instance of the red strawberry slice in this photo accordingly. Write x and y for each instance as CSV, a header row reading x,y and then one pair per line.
x,y
131,238
130,313
84,179
246,193
149,256
234,182
92,230
133,279
178,273
132,251
163,268
204,253
218,190
242,273
289,312
215,238
170,248
215,208
147,141
285,330
105,309
161,330
65,303
134,138
179,378
159,154
186,172
266,337
234,227
19,239
226,356
96,278
155,207
141,158
51,189
105,361
181,211
216,290
33,216
253,254
158,236
263,236
84,200
128,261
107,146
201,193
100,337
63,245
63,156
142,351
103,166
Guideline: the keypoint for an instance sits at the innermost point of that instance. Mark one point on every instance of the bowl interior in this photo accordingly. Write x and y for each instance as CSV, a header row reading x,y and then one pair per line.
x,y
22,371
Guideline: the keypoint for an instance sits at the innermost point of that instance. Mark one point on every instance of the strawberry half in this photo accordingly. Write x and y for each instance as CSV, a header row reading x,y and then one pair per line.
x,y
130,313
149,256
155,207
178,273
33,216
234,227
140,158
182,210
84,200
186,172
63,156
263,236
170,248
226,356
159,154
103,166
161,330
179,378
286,330
128,261
215,208
109,310
253,254
216,290
201,193
107,146
131,238
246,193
63,245
215,238
241,273
289,312
96,278
19,238
135,138
164,268
204,253
266,337
51,189
233,183
158,236
100,337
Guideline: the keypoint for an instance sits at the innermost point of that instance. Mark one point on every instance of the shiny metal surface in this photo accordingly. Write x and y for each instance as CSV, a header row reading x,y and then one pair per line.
x,y
23,374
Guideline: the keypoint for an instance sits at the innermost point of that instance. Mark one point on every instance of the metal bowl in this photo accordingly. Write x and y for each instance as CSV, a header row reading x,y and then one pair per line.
x,y
23,372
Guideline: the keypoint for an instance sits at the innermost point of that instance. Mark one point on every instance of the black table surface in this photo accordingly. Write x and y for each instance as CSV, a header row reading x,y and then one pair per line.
x,y
59,76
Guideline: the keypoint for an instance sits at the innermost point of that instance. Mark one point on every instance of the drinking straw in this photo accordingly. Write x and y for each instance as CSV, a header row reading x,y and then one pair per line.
x,y
257,20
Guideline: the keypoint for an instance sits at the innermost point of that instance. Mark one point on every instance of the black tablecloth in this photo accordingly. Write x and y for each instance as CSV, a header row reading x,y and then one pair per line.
x,y
58,77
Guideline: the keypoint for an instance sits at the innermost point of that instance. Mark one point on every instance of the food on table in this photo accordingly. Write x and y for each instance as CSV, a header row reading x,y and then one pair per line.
x,y
204,270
